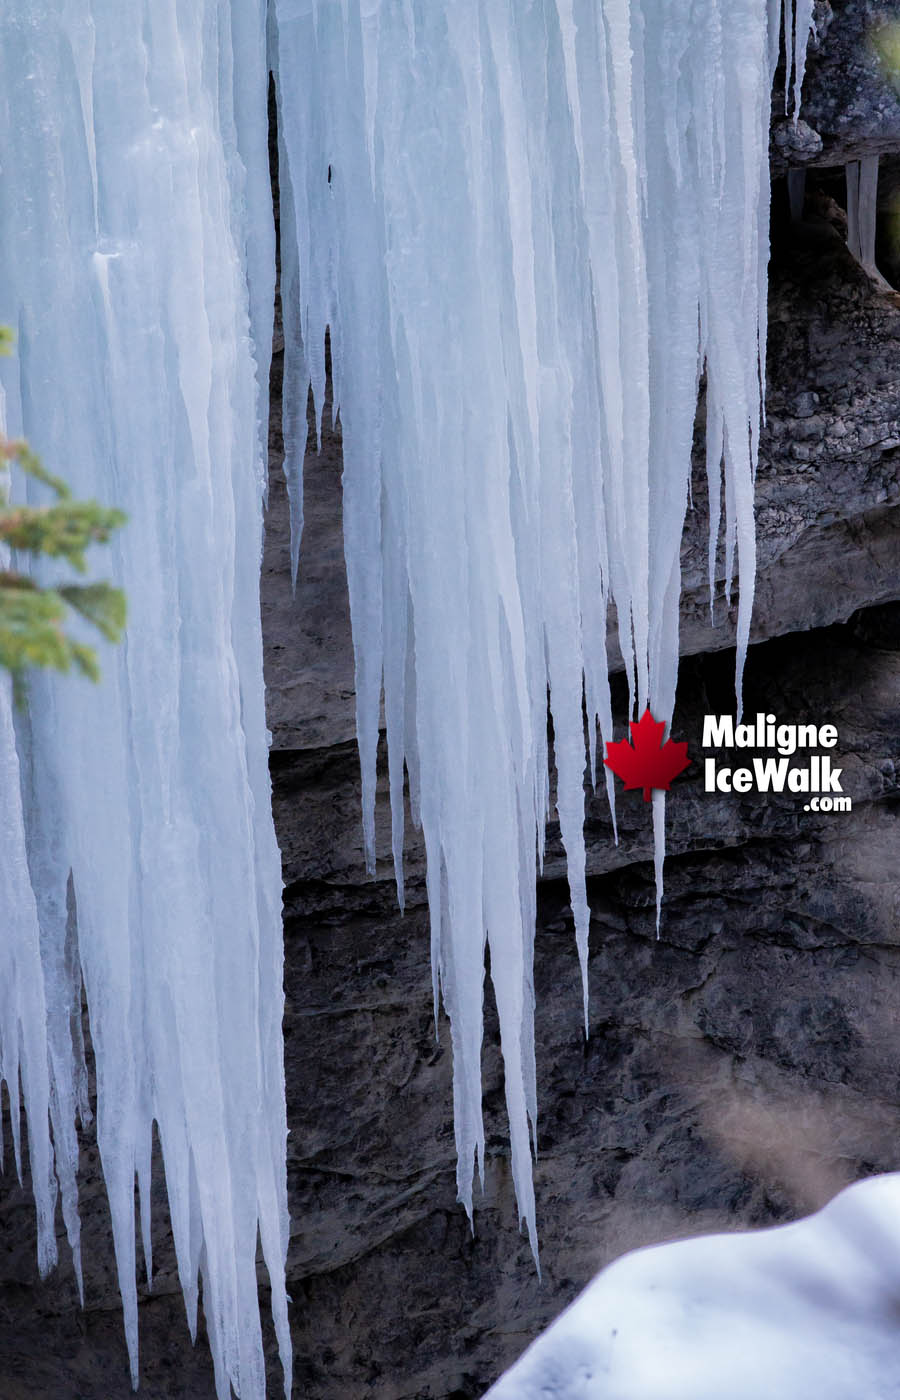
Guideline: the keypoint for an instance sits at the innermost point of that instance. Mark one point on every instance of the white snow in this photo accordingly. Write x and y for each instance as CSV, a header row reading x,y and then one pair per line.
x,y
791,1313
136,264
543,222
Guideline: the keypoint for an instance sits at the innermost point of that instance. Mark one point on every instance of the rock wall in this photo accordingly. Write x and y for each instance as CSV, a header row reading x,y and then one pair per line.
x,y
739,1069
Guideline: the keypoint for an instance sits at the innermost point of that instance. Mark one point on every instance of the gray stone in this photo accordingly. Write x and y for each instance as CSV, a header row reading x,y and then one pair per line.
x,y
795,141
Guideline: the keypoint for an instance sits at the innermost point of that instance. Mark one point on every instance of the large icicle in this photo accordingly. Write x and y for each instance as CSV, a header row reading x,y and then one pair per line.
x,y
137,266
862,214
545,222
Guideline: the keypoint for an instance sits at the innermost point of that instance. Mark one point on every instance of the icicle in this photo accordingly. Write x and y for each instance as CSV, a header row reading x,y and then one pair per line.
x,y
862,212
796,183
803,27
797,28
659,849
851,173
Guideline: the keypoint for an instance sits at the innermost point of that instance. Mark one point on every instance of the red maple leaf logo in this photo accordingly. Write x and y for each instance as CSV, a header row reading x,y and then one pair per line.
x,y
650,763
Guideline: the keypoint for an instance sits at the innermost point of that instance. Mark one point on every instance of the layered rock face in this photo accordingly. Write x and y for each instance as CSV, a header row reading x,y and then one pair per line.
x,y
740,1068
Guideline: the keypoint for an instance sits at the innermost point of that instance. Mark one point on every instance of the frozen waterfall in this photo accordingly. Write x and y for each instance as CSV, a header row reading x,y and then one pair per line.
x,y
531,228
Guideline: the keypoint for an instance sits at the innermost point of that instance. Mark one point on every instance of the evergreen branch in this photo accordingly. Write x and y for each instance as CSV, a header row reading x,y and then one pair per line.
x,y
101,604
32,618
32,465
60,531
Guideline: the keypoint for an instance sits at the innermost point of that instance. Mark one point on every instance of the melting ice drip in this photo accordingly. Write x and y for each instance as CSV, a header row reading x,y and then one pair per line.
x,y
543,222
530,228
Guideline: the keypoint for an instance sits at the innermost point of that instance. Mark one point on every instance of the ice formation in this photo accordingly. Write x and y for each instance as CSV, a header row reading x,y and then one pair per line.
x,y
808,1309
862,210
137,268
530,228
798,25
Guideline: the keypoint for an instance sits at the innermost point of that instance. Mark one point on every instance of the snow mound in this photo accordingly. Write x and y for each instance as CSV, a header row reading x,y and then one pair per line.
x,y
807,1311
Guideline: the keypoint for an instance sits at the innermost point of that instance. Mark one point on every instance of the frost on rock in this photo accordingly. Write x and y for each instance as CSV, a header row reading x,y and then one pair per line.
x,y
530,228
807,1309
137,268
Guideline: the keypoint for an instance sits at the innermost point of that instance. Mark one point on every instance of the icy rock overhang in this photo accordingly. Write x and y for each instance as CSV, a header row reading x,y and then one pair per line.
x,y
799,1310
